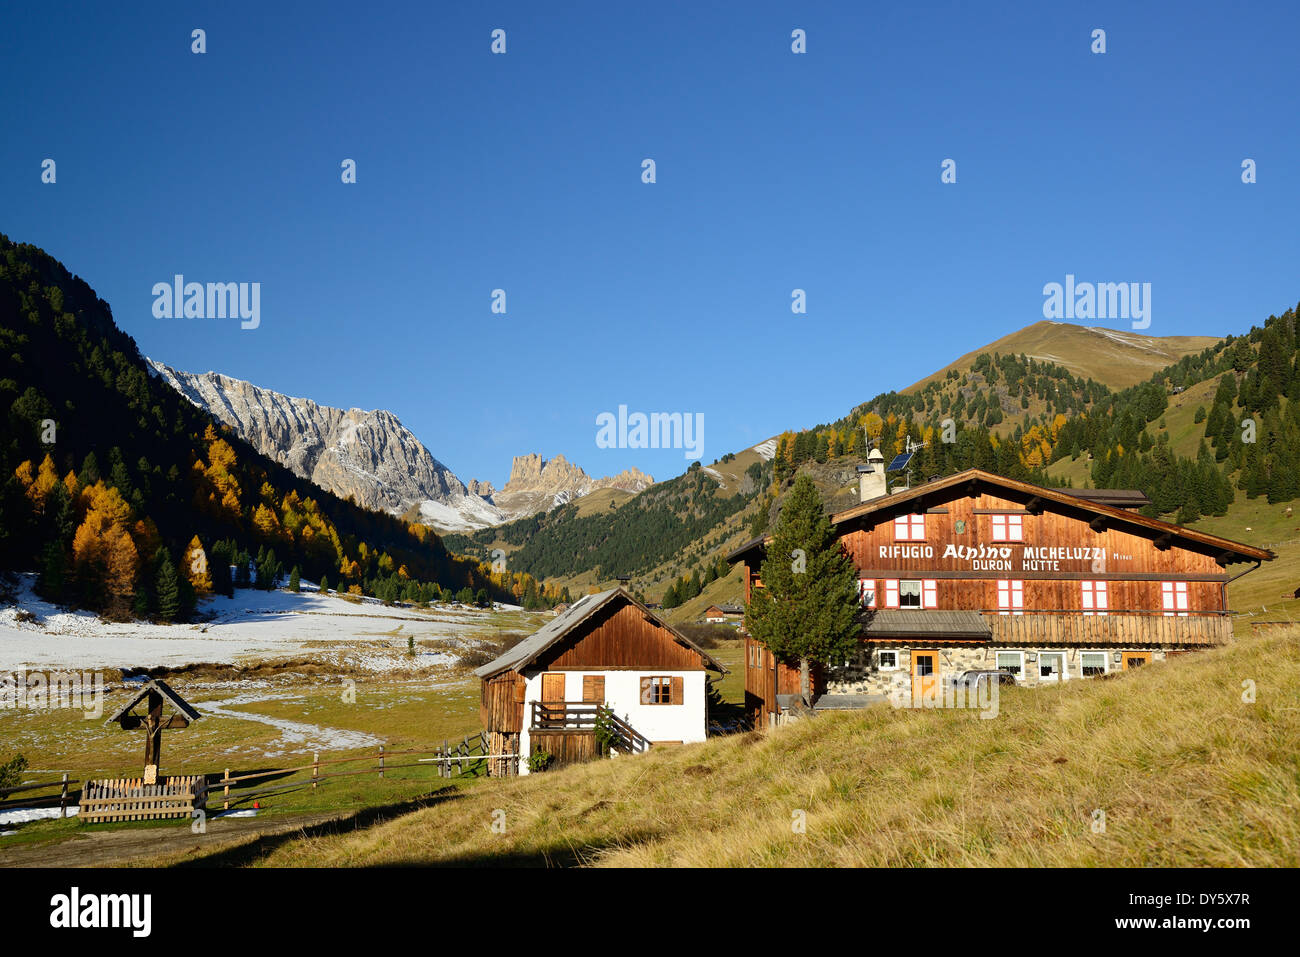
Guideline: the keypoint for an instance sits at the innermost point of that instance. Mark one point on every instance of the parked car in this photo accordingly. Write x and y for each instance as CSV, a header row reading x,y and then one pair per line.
x,y
972,679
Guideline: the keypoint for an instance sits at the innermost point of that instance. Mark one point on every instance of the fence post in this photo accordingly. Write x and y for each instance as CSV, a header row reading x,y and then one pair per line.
x,y
225,793
63,797
381,761
315,769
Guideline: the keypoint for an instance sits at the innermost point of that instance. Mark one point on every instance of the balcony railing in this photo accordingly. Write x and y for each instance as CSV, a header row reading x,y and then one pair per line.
x,y
1110,628
582,716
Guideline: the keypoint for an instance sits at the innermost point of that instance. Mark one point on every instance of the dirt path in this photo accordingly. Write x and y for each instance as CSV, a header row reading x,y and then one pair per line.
x,y
156,846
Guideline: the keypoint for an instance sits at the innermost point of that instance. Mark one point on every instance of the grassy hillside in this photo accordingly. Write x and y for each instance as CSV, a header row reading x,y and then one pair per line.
x,y
1113,357
1186,772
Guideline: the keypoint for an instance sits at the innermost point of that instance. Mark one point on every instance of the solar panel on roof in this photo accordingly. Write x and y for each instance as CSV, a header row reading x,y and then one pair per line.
x,y
900,461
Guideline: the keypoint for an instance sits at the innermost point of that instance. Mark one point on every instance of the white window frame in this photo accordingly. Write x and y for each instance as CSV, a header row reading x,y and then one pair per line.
x,y
929,592
881,666
920,593
1095,597
1011,596
1008,527
867,592
1020,672
907,527
1105,662
1062,674
1174,599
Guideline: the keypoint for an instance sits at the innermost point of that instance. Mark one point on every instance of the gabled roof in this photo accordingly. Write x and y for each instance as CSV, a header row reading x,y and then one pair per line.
x,y
1228,550
160,686
559,628
1119,497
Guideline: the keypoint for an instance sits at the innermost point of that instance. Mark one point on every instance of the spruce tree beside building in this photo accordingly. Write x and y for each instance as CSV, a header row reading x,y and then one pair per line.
x,y
807,609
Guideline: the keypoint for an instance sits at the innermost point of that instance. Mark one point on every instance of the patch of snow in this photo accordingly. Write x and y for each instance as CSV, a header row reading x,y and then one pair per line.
x,y
766,450
1128,339
716,475
465,514
24,815
253,625
294,735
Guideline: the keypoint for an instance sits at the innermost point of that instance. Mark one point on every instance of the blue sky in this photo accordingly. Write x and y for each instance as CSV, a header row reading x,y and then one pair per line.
x,y
522,172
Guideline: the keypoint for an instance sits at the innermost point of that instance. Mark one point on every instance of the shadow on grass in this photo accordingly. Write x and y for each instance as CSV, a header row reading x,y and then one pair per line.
x,y
251,852
558,854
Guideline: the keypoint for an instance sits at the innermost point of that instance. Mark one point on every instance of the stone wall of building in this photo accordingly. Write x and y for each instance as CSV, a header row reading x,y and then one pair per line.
x,y
868,671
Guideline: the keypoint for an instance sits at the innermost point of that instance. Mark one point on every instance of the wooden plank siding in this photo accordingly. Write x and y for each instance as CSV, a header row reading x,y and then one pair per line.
x,y
502,706
620,638
1128,631
1127,552
564,746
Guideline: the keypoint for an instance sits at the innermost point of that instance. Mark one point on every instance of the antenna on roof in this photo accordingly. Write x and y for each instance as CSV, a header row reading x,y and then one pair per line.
x,y
902,462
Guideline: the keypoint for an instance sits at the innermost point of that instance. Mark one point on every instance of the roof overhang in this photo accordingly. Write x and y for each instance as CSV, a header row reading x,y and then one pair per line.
x,y
1225,550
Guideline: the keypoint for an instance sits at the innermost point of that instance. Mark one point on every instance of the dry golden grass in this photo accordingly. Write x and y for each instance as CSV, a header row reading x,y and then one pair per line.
x,y
1186,772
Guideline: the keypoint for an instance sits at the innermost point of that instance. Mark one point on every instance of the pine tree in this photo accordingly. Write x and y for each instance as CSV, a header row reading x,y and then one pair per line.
x,y
295,583
167,587
324,584
807,608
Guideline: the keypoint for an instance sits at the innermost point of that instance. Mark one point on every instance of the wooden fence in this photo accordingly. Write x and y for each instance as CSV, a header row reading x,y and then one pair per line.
x,y
469,756
130,799
63,800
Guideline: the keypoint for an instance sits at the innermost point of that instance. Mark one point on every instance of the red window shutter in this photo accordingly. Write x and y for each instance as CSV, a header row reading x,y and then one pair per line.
x,y
929,593
891,593
679,689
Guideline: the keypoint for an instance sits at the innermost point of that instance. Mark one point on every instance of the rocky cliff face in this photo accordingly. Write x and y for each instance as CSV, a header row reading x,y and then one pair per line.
x,y
537,483
370,456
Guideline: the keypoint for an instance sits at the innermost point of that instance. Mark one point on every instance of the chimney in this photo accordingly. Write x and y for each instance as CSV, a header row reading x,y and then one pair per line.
x,y
871,477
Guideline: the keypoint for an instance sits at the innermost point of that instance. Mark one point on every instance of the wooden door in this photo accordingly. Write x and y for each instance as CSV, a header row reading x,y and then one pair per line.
x,y
1136,659
925,676
552,687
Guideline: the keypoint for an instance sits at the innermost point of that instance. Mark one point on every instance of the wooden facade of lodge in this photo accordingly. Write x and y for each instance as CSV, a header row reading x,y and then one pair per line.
x,y
975,571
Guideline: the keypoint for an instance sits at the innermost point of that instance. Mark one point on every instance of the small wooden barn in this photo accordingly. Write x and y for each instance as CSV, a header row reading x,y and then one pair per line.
x,y
609,660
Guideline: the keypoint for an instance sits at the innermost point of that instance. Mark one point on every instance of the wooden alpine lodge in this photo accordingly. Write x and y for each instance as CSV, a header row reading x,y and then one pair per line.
x,y
979,572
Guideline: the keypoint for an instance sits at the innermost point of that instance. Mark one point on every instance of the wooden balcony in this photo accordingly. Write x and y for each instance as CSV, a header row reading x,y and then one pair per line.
x,y
567,729
1117,629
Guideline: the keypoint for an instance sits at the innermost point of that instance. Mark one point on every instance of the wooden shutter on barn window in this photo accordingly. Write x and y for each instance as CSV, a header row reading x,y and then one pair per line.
x,y
593,688
520,688
647,691
679,692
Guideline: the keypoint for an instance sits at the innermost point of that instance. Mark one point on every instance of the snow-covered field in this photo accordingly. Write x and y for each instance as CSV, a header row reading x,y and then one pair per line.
x,y
251,627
